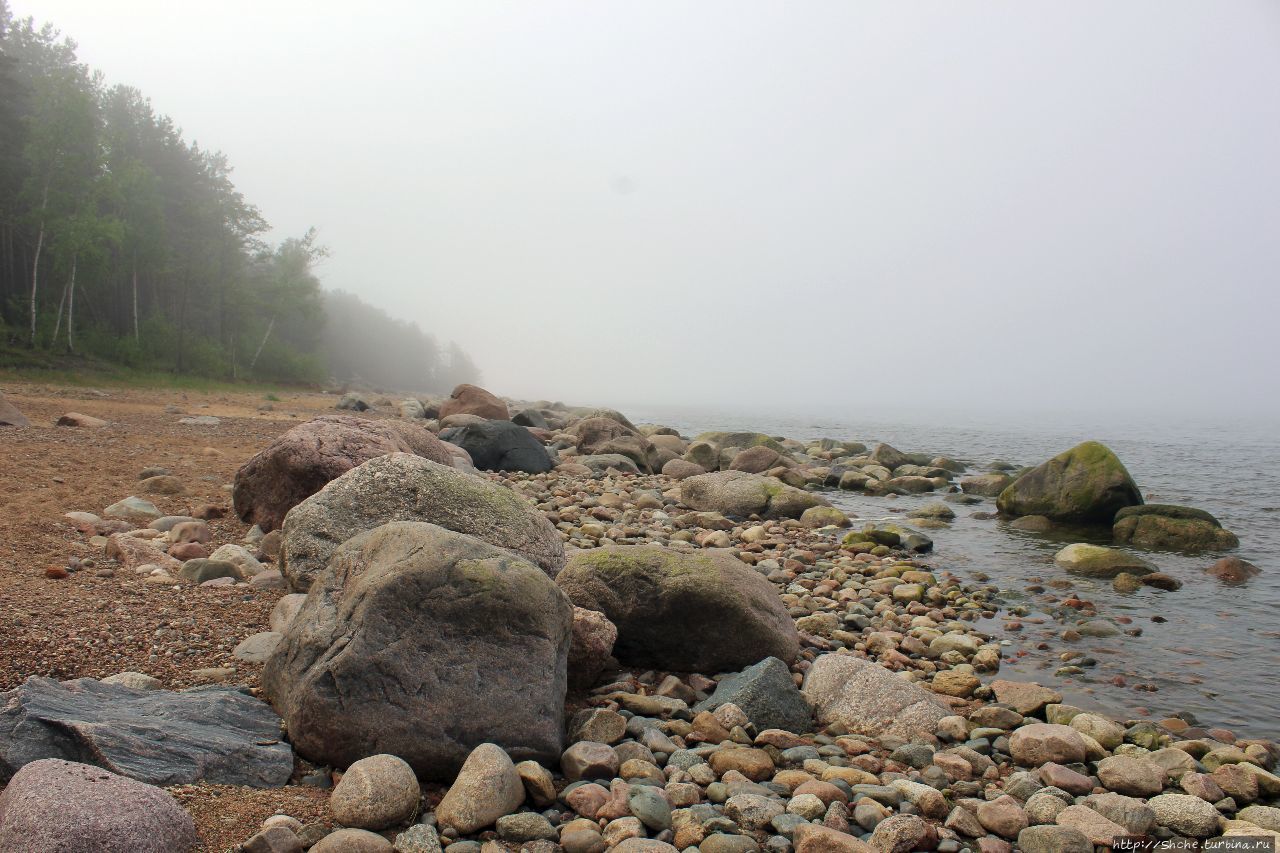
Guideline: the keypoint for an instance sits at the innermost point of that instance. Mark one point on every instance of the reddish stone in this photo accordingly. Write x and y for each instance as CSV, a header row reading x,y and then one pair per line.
x,y
299,463
473,400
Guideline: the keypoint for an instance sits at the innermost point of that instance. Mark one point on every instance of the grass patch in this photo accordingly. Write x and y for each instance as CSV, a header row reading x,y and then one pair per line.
x,y
24,365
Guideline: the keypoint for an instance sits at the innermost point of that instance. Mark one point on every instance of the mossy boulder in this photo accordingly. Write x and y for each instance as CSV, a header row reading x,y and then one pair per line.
x,y
741,494
1099,562
891,536
824,516
688,612
1086,484
1172,527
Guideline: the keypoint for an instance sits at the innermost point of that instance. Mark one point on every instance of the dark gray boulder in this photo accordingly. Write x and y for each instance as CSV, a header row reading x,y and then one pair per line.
x,y
424,643
529,418
219,735
767,695
500,446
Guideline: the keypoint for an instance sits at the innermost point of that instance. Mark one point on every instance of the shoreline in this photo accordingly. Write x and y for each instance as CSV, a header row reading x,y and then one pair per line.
x,y
877,603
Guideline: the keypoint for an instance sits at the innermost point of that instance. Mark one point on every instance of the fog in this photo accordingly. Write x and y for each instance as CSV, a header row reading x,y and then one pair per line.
x,y
826,207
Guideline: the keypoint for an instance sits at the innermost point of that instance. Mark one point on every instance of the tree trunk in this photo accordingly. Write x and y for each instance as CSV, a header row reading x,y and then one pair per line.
x,y
71,305
136,337
62,303
270,326
35,265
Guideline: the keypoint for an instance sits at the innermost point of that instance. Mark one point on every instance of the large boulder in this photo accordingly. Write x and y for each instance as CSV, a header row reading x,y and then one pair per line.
x,y
298,464
986,485
65,807
1096,561
473,400
207,734
1166,526
868,699
600,436
888,456
740,440
759,459
690,612
741,494
404,487
10,416
1087,483
611,414
501,446
530,418
414,641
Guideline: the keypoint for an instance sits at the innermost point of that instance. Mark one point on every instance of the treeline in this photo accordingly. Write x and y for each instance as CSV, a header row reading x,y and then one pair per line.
x,y
121,240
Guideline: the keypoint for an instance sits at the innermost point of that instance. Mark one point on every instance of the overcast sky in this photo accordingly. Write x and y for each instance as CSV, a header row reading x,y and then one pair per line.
x,y
824,206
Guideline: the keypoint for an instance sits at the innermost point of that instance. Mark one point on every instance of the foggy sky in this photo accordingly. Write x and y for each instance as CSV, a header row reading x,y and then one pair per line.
x,y
818,206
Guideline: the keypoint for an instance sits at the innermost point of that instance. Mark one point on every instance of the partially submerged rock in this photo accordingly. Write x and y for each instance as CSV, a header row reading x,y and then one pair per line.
x,y
1099,562
1084,484
1166,526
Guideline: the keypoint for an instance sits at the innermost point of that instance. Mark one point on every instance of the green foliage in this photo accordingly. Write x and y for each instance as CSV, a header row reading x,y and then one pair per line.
x,y
130,245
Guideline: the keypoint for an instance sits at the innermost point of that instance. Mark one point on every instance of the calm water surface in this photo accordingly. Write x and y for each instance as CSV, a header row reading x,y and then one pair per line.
x,y
1217,655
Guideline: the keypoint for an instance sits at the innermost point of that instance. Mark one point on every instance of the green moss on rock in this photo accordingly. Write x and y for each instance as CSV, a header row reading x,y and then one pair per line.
x,y
1087,483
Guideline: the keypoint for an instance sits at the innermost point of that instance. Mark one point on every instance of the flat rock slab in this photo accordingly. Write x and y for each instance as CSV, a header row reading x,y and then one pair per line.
x,y
207,734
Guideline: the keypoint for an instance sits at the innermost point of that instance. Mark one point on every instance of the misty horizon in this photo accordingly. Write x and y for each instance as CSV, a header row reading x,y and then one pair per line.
x,y
822,209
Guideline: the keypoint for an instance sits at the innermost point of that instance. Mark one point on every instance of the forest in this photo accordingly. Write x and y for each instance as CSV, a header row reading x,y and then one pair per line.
x,y
121,241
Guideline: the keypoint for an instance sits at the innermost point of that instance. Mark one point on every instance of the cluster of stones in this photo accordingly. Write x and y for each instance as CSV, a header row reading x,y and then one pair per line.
x,y
617,638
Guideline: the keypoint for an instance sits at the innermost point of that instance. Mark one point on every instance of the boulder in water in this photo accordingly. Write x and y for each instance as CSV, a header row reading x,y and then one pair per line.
x,y
1233,570
1086,484
986,485
1099,562
1167,526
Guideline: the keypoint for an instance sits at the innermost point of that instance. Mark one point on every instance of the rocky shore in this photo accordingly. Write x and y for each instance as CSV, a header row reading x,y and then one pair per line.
x,y
472,625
